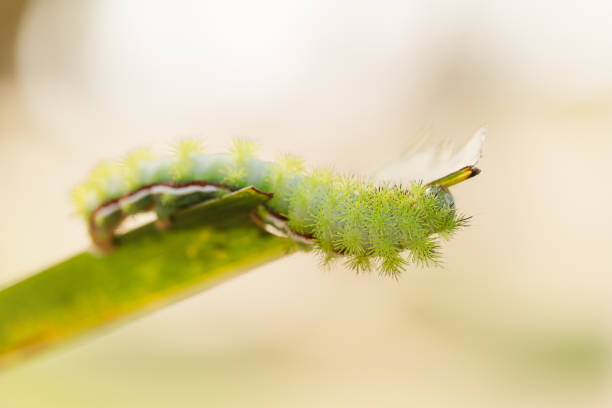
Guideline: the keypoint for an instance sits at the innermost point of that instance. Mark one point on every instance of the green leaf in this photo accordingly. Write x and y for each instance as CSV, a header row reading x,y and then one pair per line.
x,y
207,244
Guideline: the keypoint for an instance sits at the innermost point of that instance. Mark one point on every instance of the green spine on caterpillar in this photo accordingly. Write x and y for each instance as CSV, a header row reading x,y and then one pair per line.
x,y
388,225
186,153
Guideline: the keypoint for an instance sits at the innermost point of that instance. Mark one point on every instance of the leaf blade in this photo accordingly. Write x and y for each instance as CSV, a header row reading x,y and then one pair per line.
x,y
208,244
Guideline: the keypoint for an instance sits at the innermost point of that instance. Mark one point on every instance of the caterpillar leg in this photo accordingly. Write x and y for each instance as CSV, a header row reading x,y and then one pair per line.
x,y
102,228
164,222
277,225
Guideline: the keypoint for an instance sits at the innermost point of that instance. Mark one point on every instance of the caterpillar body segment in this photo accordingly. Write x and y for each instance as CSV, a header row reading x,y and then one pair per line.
x,y
366,223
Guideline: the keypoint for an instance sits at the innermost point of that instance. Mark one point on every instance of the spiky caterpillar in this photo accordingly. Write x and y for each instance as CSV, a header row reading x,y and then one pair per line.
x,y
341,215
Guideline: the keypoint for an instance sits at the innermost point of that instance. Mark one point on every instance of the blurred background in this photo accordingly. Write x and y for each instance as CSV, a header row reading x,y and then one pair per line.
x,y
519,314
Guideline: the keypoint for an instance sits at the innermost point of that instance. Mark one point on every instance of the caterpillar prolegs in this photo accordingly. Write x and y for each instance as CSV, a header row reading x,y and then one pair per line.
x,y
369,224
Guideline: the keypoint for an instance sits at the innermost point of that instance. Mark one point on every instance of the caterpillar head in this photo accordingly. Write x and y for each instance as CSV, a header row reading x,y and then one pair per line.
x,y
442,194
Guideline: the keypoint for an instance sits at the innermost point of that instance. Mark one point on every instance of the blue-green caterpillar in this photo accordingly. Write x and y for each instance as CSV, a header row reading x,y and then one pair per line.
x,y
368,223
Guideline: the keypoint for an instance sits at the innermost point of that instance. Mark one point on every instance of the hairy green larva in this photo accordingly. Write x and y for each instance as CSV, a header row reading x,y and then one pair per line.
x,y
368,223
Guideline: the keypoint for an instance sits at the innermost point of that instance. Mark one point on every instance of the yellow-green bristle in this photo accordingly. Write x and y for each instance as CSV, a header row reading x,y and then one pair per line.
x,y
108,179
184,152
142,167
85,199
242,150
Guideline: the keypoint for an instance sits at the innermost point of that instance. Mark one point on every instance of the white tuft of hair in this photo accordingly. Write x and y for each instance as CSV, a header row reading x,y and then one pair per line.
x,y
434,162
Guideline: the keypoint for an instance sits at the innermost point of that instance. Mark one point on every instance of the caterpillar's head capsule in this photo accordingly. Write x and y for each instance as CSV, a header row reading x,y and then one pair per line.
x,y
439,187
444,196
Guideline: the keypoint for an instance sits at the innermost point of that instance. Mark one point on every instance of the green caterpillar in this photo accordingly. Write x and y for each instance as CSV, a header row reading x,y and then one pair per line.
x,y
369,224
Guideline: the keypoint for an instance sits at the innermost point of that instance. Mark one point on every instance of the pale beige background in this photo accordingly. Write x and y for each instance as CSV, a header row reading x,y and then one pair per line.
x,y
350,85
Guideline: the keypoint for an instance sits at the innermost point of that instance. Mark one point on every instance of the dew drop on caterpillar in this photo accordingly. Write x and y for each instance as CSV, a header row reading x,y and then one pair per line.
x,y
369,224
